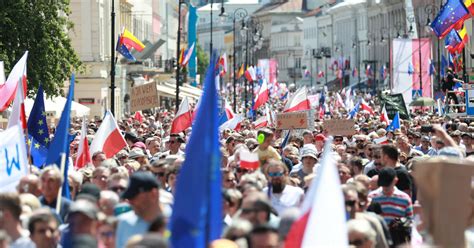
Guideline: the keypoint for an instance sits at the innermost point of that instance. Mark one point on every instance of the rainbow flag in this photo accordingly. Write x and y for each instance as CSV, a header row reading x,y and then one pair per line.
x,y
130,40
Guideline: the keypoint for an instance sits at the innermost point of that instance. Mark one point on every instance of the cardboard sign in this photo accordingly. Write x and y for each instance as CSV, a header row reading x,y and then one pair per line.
x,y
144,97
339,127
294,120
444,187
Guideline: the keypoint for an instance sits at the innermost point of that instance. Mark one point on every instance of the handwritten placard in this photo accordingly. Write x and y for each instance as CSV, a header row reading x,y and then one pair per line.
x,y
144,97
339,127
294,120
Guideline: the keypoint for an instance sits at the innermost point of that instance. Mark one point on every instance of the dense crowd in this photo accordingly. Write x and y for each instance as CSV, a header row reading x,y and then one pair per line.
x,y
127,200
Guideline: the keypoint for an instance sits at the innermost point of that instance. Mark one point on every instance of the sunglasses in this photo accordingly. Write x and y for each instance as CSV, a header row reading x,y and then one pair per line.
x,y
230,180
357,242
107,234
275,174
159,174
117,189
241,170
351,152
337,140
350,203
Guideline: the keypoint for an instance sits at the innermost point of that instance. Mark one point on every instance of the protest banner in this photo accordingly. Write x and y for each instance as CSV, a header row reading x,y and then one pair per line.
x,y
444,187
393,104
292,120
13,160
144,97
339,127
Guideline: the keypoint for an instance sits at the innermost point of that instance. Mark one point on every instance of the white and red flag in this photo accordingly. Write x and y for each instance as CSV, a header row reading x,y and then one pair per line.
x,y
322,222
8,89
384,116
83,155
381,141
233,123
261,122
262,96
320,74
18,116
365,106
298,101
183,118
223,63
250,74
249,160
108,138
138,116
228,110
339,101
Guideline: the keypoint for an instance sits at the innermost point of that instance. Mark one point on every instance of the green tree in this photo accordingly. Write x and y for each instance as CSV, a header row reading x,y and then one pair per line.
x,y
41,27
203,61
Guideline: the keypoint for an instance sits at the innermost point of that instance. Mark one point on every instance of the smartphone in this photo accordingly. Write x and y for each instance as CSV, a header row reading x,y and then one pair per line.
x,y
427,129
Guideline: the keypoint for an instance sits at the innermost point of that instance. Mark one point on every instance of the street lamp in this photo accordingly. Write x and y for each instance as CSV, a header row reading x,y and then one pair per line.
x,y
431,9
178,46
411,20
239,14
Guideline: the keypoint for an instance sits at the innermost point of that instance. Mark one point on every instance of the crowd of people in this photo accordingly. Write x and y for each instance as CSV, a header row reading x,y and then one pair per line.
x,y
126,200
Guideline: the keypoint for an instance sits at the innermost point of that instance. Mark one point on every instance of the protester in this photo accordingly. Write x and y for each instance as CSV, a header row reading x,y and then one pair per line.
x,y
10,210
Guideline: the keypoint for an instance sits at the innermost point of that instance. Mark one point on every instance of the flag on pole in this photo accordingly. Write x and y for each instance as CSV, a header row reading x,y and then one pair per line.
x,y
129,40
108,138
38,132
320,74
183,118
83,155
249,160
241,71
262,96
122,49
354,111
197,212
322,222
384,116
223,63
8,89
58,151
431,68
298,101
18,116
450,15
395,124
187,55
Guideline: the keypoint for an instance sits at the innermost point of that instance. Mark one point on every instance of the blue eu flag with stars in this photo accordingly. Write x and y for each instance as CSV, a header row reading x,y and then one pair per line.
x,y
38,135
452,13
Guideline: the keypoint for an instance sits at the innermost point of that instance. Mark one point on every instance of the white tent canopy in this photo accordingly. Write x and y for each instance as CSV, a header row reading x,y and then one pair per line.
x,y
54,107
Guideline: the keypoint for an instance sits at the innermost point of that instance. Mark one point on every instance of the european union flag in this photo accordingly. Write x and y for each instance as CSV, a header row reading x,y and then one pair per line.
x,y
354,111
452,40
59,147
122,49
452,13
38,134
395,124
197,211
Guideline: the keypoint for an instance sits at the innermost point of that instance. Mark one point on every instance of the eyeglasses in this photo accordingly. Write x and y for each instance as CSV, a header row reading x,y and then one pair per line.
x,y
159,174
351,152
117,189
275,174
357,242
230,180
350,203
107,234
241,170
337,140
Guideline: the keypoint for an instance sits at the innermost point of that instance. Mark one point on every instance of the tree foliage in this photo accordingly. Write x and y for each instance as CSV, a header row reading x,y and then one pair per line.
x,y
41,27
203,61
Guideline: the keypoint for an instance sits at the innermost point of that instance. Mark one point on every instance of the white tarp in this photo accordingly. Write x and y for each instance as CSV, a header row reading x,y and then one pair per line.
x,y
13,160
56,106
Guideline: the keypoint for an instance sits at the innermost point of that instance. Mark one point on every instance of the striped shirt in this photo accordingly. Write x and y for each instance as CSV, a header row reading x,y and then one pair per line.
x,y
397,205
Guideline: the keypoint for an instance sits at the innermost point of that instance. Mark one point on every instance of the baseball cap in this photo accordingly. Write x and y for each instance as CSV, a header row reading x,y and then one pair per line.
x,y
320,137
142,181
90,192
386,176
308,152
136,153
85,207
466,134
425,138
139,144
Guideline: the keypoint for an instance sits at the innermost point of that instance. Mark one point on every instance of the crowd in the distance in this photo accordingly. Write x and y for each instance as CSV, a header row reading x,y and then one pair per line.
x,y
126,200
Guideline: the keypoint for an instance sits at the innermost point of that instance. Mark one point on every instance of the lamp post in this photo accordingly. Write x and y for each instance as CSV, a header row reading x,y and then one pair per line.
x,y
339,47
430,10
178,47
411,20
371,40
238,15
112,60
355,45
386,37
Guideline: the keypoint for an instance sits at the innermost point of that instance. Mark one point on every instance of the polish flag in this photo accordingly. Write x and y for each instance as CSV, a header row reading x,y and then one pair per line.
x,y
381,141
249,160
187,56
8,89
384,116
250,74
183,118
298,101
228,110
322,222
261,122
223,63
233,123
262,96
108,138
18,116
366,107
339,101
83,155
320,74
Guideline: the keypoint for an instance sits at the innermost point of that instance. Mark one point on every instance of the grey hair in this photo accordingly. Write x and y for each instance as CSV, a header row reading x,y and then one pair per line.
x,y
361,226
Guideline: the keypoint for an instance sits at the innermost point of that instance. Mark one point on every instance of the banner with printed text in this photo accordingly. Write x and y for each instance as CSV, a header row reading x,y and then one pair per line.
x,y
13,160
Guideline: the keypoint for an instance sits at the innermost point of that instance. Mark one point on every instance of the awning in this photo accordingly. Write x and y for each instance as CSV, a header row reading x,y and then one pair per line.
x,y
190,92
55,107
170,91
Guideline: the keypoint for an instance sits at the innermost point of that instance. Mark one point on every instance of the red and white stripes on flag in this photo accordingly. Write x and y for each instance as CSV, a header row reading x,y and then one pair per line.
x,y
384,116
223,63
233,123
8,89
83,155
365,106
339,101
183,118
381,141
323,215
298,101
187,56
250,74
262,96
108,138
261,122
249,160
228,110
18,116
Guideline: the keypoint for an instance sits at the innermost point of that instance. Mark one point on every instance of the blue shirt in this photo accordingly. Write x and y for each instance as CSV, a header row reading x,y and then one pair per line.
x,y
129,224
65,205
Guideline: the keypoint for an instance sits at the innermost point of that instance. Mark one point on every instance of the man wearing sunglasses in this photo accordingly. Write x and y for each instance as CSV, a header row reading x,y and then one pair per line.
x,y
282,195
175,142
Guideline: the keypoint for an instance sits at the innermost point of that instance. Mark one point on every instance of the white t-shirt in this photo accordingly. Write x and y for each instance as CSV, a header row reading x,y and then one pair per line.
x,y
290,197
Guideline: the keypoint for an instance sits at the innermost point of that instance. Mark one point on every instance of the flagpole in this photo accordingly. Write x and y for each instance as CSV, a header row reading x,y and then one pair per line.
x,y
112,60
60,191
